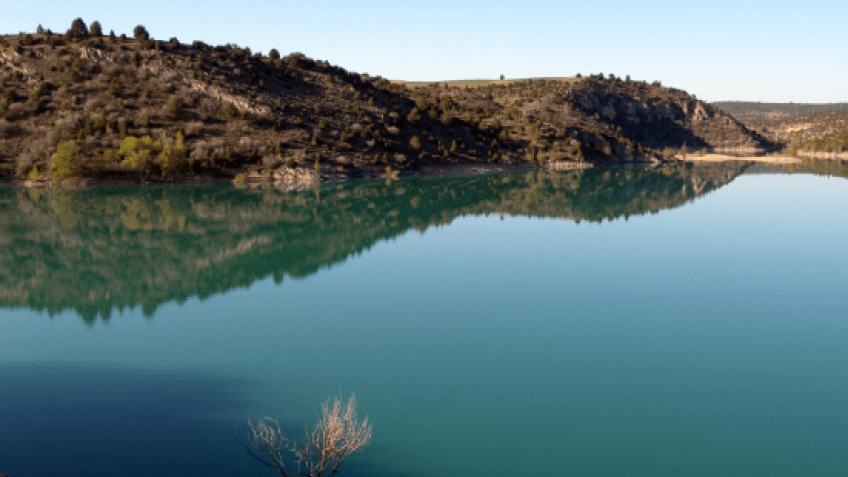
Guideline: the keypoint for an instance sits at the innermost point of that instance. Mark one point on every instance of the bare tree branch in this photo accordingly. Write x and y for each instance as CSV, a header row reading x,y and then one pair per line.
x,y
338,434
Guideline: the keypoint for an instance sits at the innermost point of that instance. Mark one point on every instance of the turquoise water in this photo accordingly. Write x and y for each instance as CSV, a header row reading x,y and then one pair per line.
x,y
685,321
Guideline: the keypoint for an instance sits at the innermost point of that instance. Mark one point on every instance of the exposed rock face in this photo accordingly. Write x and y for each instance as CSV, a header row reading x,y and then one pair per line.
x,y
158,67
296,178
663,117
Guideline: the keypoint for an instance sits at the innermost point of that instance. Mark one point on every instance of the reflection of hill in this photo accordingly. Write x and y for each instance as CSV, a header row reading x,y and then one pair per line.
x,y
100,248
828,168
821,168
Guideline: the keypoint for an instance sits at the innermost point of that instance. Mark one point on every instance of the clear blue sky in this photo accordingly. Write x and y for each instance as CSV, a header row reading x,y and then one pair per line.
x,y
718,50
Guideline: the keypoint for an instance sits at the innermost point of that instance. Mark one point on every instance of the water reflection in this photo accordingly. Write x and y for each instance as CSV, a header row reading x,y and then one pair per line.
x,y
106,248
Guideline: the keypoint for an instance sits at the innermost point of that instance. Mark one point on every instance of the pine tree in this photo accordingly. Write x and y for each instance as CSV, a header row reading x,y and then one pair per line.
x,y
78,28
140,33
96,29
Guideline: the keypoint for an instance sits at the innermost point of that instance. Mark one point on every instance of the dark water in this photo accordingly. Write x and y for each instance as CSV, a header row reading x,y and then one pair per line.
x,y
679,321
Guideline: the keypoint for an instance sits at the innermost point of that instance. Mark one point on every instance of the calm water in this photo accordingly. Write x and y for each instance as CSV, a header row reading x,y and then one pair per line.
x,y
685,321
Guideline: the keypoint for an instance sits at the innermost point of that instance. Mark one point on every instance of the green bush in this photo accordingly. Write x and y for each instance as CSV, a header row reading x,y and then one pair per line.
x,y
174,157
138,153
66,162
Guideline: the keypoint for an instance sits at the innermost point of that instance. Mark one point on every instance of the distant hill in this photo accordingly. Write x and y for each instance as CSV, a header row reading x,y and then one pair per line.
x,y
80,105
754,112
822,135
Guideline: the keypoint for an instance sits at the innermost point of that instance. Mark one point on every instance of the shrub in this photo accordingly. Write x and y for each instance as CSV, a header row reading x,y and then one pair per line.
x,y
35,102
34,174
140,33
173,108
65,162
274,54
138,153
415,143
96,29
174,157
229,111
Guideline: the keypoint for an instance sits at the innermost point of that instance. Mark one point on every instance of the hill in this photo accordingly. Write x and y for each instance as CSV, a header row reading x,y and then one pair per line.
x,y
821,135
755,113
84,106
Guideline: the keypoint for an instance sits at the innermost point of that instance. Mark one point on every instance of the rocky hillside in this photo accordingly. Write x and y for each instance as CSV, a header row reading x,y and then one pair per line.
x,y
83,106
659,117
823,135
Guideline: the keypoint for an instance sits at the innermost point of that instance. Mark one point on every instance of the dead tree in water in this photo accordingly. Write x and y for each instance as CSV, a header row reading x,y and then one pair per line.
x,y
338,434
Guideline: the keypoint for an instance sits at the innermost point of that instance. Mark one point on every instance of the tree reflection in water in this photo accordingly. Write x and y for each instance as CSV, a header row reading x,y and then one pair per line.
x,y
104,248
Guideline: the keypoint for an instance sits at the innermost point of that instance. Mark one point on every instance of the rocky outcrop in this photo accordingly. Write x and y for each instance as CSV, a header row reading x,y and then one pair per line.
x,y
663,117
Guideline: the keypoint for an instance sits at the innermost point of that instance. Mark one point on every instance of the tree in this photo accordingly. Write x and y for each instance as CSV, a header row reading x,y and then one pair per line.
x,y
78,28
173,108
138,153
112,36
274,54
174,157
140,33
65,162
338,434
96,29
502,77
40,29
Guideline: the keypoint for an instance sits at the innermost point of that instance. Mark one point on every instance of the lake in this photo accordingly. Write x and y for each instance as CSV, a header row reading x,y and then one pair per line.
x,y
686,320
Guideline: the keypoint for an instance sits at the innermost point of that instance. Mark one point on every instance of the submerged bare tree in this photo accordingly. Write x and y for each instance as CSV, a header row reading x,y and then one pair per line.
x,y
338,434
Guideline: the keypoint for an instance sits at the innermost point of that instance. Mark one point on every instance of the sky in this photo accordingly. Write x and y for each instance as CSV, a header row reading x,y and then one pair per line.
x,y
717,50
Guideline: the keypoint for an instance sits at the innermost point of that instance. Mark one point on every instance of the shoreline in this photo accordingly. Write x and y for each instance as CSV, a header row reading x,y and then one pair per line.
x,y
306,178
694,158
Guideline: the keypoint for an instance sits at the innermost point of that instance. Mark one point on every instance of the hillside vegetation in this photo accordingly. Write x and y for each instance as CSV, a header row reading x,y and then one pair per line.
x,y
755,112
821,133
82,105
